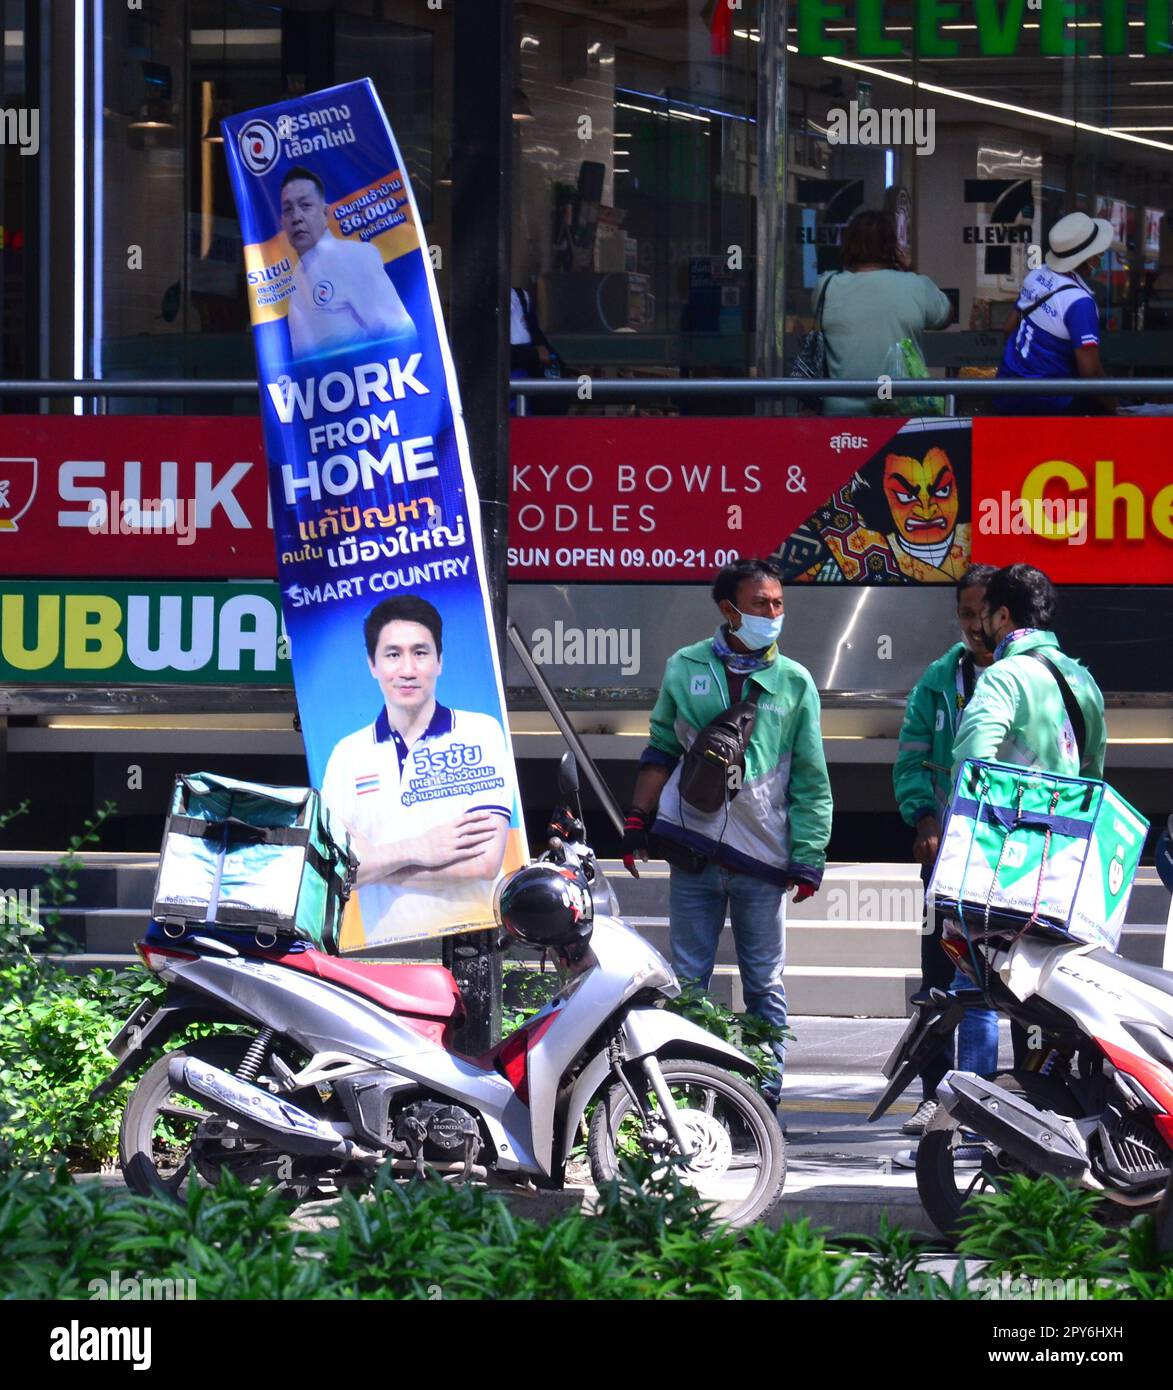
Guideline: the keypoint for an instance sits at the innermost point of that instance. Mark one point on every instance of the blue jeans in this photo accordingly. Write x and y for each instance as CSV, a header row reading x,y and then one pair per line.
x,y
977,1035
697,904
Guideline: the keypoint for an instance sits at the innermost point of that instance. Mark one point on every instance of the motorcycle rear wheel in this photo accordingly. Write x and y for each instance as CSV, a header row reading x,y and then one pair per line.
x,y
157,1146
735,1130
944,1189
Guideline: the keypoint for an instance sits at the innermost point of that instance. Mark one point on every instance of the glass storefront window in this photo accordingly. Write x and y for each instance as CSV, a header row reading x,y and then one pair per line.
x,y
20,145
1013,141
169,297
638,199
635,185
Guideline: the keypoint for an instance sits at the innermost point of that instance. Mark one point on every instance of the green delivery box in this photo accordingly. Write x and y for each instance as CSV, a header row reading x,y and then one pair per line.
x,y
1024,847
255,858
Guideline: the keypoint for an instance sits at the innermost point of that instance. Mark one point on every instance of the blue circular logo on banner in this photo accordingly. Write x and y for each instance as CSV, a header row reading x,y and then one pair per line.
x,y
323,293
258,146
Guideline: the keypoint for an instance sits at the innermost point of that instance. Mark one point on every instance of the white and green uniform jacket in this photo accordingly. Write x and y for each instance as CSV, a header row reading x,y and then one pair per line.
x,y
921,774
778,826
1017,713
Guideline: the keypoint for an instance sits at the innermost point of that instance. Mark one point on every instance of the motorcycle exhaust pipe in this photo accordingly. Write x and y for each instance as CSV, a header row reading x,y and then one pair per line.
x,y
1041,1140
260,1113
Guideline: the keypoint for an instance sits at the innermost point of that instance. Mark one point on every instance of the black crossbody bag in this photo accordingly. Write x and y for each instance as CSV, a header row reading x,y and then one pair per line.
x,y
1070,703
711,772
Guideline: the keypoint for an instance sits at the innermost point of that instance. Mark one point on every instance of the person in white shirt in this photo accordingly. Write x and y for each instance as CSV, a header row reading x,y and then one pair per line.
x,y
427,792
341,293
529,348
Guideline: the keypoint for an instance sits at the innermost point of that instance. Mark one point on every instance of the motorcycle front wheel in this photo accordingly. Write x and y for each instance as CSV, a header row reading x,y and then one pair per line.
x,y
738,1161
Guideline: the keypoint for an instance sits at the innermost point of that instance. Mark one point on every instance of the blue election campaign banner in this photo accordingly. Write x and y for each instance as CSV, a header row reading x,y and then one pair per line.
x,y
376,517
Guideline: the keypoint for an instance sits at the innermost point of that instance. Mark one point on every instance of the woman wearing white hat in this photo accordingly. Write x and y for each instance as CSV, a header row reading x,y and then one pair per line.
x,y
1054,330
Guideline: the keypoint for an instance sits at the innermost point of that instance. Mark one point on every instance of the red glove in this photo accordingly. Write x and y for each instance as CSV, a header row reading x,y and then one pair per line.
x,y
802,891
635,839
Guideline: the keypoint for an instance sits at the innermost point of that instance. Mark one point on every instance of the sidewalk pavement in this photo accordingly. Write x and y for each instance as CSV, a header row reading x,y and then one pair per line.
x,y
841,1171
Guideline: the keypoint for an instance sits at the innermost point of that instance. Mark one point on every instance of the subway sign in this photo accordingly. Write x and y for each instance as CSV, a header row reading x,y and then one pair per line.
x,y
56,633
1005,28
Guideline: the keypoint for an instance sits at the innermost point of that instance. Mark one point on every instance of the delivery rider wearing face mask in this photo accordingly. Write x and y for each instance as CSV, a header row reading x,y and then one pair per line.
x,y
770,835
1036,707
1019,711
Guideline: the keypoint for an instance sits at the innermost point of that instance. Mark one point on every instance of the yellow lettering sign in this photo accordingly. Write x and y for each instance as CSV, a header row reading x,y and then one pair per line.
x,y
44,650
1040,518
92,639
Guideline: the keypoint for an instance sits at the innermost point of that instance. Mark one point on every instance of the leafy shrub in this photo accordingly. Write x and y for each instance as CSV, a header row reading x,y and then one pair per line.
x,y
1041,1228
753,1035
524,992
650,1239
54,1027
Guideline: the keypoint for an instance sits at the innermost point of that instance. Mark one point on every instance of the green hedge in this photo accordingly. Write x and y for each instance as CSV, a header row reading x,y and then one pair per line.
x,y
62,1238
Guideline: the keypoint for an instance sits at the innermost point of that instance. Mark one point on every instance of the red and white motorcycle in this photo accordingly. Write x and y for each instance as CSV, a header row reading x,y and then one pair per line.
x,y
340,1066
1095,1103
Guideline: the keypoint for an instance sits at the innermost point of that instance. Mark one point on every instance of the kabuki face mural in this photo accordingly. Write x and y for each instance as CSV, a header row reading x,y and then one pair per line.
x,y
922,497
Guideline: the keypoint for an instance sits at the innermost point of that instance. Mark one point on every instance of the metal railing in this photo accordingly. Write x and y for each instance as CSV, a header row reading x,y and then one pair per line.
x,y
611,388
801,388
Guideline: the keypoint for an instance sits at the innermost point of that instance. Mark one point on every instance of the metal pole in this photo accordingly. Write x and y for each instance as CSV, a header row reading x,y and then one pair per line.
x,y
482,135
614,389
565,728
770,220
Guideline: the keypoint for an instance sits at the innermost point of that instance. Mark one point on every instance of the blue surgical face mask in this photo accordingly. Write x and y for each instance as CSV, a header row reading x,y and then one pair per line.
x,y
757,633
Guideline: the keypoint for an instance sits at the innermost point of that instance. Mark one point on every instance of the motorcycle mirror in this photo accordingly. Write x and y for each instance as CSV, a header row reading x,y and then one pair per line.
x,y
568,775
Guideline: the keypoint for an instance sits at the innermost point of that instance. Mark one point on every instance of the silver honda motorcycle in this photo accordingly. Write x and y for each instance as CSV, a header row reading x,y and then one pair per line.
x,y
343,1066
1093,1103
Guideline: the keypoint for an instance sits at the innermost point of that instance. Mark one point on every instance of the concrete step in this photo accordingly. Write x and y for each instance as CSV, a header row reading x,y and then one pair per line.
x,y
808,943
813,942
852,950
830,990
849,892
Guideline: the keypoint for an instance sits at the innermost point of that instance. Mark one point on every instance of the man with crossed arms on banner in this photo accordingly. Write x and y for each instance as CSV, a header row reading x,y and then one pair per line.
x,y
427,792
341,293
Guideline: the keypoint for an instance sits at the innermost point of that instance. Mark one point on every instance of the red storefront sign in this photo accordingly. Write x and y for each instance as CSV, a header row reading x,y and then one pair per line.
x,y
1089,501
660,500
126,495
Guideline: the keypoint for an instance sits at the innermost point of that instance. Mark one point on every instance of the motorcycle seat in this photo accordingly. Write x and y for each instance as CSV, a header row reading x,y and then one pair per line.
x,y
428,991
1146,974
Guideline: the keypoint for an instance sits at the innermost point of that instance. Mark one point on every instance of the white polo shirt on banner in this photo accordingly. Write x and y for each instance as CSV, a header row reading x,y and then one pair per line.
x,y
387,792
341,295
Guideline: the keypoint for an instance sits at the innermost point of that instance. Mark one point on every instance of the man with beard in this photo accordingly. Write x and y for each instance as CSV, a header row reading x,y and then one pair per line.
x,y
905,529
1020,712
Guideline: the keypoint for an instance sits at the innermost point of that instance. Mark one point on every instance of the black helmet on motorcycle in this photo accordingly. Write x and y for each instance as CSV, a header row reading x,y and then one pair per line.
x,y
546,906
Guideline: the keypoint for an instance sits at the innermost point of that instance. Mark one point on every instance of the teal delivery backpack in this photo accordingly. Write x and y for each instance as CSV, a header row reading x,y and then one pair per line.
x,y
250,857
1025,848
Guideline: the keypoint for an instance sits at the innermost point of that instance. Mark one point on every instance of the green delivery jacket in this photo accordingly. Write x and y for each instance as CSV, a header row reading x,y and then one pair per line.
x,y
778,825
926,737
1017,713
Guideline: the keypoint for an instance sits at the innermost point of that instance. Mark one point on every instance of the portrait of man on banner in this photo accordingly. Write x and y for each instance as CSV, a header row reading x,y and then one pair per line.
x,y
427,791
340,293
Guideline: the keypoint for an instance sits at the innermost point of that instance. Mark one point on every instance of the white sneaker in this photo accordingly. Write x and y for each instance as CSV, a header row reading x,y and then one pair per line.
x,y
920,1120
